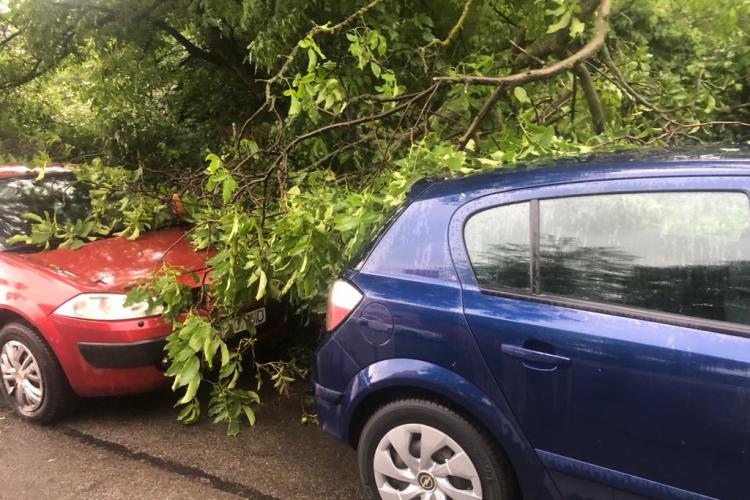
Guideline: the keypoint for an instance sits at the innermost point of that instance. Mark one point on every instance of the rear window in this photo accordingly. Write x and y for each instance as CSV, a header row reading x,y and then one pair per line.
x,y
497,241
685,253
56,194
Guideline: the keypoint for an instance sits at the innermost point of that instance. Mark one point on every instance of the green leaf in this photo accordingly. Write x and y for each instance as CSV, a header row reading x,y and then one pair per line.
x,y
192,389
521,96
249,414
576,27
261,285
561,23
294,106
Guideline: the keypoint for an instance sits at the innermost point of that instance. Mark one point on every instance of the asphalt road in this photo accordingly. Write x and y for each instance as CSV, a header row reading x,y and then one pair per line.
x,y
132,447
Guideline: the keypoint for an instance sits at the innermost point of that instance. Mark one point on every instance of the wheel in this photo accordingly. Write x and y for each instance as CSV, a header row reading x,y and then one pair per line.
x,y
417,448
33,384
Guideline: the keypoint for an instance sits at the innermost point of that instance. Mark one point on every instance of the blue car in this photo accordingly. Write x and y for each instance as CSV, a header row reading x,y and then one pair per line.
x,y
571,331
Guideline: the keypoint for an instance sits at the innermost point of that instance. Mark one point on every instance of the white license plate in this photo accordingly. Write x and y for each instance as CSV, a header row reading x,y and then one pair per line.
x,y
256,317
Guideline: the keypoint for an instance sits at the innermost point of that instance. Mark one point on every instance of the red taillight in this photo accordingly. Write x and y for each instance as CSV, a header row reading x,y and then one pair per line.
x,y
342,300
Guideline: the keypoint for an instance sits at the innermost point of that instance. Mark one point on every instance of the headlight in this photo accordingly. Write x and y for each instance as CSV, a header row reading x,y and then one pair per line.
x,y
104,307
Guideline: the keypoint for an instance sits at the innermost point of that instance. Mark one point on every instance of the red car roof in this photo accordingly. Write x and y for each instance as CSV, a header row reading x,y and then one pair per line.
x,y
10,170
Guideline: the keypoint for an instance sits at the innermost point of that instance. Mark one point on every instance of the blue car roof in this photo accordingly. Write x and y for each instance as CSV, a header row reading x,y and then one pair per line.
x,y
649,163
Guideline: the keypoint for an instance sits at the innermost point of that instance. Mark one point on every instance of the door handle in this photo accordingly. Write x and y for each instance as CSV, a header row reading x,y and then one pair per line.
x,y
534,356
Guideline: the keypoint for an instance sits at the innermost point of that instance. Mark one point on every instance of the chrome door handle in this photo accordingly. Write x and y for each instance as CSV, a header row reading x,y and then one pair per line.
x,y
534,356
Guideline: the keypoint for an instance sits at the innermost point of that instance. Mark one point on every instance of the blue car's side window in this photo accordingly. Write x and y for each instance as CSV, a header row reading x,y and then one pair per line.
x,y
497,241
685,253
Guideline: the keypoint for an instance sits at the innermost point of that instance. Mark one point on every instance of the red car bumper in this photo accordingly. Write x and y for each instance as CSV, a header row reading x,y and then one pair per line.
x,y
103,358
106,358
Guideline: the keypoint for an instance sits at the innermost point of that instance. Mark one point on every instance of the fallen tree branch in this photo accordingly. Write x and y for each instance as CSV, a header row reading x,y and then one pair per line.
x,y
592,97
479,118
554,107
601,27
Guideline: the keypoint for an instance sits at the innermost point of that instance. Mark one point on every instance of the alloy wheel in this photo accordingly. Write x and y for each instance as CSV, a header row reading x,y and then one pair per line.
x,y
416,461
22,377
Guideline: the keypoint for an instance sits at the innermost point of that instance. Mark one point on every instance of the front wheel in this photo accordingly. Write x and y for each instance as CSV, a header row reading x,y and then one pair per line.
x,y
33,383
416,448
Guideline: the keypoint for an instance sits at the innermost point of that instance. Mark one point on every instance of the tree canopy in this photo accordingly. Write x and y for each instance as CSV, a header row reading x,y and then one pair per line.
x,y
285,131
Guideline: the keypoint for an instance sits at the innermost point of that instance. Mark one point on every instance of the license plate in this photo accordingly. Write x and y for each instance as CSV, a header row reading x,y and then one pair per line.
x,y
256,317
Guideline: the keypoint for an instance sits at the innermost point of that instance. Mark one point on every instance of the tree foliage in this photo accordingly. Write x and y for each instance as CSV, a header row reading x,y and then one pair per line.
x,y
285,131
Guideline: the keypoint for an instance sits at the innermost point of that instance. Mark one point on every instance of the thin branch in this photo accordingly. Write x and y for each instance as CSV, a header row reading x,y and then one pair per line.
x,y
527,53
479,118
626,87
454,30
9,39
554,107
358,121
314,31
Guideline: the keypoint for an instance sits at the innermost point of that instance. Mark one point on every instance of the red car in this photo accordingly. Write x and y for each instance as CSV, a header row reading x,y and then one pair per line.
x,y
64,328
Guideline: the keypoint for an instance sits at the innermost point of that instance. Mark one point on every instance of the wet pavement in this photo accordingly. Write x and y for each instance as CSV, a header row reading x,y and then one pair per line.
x,y
132,447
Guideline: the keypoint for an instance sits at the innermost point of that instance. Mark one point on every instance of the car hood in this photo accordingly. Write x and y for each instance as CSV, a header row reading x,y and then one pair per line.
x,y
114,264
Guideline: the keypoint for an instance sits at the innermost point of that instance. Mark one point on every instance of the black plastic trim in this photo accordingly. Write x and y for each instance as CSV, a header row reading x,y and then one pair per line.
x,y
123,355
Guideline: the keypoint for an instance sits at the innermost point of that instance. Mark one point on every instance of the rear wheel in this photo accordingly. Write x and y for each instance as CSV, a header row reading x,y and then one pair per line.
x,y
33,383
418,449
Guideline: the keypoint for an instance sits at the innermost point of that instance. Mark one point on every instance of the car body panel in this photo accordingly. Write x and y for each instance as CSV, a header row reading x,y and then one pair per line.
x,y
694,401
688,378
118,261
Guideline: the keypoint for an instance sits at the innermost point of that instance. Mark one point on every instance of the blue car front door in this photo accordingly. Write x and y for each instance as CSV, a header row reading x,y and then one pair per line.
x,y
615,317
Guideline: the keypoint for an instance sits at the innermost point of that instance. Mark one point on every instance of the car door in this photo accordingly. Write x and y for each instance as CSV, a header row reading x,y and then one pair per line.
x,y
615,318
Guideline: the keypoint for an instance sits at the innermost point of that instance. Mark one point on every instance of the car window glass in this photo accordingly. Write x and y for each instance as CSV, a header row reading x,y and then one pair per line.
x,y
497,241
59,194
684,253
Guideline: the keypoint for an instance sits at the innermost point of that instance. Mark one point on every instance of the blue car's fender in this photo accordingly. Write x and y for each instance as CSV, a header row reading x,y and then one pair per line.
x,y
415,374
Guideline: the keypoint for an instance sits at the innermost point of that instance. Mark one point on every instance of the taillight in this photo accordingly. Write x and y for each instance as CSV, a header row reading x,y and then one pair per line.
x,y
342,300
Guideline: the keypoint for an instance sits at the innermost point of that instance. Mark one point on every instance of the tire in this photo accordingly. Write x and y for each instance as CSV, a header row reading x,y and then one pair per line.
x,y
46,396
488,474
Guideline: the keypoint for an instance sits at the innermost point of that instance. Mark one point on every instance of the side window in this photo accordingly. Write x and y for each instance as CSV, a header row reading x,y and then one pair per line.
x,y
497,241
684,253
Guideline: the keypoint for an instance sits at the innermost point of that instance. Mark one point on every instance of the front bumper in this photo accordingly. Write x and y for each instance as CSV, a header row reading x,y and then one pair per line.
x,y
104,358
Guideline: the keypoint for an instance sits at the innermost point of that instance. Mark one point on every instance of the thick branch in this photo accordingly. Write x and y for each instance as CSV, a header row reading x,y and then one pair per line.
x,y
189,46
601,27
592,97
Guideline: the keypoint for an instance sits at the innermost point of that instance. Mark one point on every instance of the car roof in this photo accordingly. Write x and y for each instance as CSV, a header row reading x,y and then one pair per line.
x,y
717,160
13,170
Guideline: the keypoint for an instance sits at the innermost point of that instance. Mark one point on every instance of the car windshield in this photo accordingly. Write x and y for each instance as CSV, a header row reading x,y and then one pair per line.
x,y
61,194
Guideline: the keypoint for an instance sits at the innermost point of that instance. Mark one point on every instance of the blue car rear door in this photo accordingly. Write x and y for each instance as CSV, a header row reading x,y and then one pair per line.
x,y
615,317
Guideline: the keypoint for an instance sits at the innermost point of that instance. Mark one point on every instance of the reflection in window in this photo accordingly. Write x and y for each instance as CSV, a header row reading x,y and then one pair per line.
x,y
683,253
497,241
58,194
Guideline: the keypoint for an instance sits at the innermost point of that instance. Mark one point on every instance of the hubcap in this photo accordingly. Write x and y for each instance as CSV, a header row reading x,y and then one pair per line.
x,y
419,461
22,378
